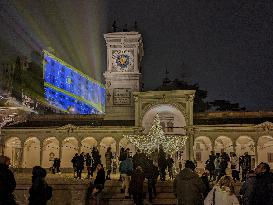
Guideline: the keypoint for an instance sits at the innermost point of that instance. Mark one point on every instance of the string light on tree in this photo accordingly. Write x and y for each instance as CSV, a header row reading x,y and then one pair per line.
x,y
156,137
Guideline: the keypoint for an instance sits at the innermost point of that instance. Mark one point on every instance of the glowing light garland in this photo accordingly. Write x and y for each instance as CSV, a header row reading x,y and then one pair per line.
x,y
156,137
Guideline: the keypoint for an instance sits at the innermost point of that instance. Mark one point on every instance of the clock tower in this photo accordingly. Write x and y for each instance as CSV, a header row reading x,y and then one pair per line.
x,y
123,77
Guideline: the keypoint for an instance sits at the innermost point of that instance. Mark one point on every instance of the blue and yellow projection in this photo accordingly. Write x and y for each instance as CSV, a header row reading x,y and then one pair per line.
x,y
69,89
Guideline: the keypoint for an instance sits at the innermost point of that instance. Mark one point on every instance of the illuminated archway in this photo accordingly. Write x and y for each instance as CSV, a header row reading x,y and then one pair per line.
x,y
13,150
87,144
125,144
31,152
104,144
202,148
50,151
245,144
172,119
265,149
223,144
69,148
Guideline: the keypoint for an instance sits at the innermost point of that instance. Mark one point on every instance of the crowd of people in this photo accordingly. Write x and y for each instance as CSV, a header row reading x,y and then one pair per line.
x,y
213,187
190,189
217,165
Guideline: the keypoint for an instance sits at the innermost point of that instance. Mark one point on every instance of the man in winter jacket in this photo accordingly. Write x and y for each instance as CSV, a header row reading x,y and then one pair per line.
x,y
188,187
263,186
126,169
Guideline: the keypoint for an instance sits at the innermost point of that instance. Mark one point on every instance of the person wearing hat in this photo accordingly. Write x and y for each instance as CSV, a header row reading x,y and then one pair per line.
x,y
188,187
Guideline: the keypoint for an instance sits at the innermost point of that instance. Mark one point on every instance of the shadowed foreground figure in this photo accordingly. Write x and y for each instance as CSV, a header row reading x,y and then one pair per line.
x,y
7,182
188,187
39,192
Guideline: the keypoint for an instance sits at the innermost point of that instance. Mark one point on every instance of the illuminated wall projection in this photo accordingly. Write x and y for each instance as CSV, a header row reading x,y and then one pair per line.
x,y
71,90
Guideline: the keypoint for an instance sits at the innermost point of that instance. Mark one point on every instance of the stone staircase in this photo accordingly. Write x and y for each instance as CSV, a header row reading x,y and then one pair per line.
x,y
111,194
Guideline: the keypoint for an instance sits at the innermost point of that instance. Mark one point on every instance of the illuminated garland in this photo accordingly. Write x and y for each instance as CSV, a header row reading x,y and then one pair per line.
x,y
151,142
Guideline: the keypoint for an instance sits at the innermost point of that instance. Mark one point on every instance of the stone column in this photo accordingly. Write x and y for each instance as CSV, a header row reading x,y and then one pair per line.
x,y
189,144
234,145
117,147
41,154
21,155
256,153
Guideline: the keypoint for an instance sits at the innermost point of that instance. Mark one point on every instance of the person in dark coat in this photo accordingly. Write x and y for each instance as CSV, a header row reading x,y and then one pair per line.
x,y
170,163
56,166
151,174
263,186
188,187
7,182
92,194
96,157
39,192
122,154
108,162
74,163
136,185
100,178
162,163
247,188
89,165
245,165
140,159
80,165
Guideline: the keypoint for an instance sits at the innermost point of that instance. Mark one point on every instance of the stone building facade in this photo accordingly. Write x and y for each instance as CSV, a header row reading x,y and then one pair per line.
x,y
40,139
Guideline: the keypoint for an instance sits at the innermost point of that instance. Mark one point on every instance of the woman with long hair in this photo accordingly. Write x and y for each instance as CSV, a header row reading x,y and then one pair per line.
x,y
222,193
39,192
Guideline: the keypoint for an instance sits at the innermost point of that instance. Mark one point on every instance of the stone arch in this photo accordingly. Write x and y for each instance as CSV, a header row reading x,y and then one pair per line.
x,y
223,144
104,144
31,153
265,149
87,144
69,147
50,150
202,148
124,143
13,150
245,144
170,115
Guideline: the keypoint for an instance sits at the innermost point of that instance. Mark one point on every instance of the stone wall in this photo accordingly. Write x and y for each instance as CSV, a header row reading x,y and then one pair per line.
x,y
65,191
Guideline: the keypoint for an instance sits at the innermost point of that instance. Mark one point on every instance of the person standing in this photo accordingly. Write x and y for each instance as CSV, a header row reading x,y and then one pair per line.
x,y
170,163
136,185
96,157
126,169
39,192
247,188
263,186
7,182
80,165
162,163
217,163
108,162
74,163
151,173
188,187
100,178
246,165
89,163
234,163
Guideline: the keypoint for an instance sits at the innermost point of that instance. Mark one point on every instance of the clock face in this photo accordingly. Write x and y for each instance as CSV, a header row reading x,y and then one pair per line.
x,y
122,60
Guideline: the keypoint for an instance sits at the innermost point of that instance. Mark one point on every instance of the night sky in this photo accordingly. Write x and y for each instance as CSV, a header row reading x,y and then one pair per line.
x,y
225,46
